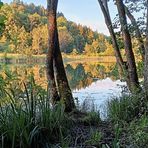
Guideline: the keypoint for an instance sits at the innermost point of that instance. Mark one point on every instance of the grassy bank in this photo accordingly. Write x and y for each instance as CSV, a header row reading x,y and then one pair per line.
x,y
10,55
67,57
27,120
129,116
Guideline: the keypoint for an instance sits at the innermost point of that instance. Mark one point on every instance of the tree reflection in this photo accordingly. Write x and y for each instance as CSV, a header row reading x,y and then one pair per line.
x,y
80,75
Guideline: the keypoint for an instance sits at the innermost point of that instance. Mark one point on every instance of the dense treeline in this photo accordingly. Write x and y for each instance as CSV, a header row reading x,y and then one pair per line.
x,y
24,31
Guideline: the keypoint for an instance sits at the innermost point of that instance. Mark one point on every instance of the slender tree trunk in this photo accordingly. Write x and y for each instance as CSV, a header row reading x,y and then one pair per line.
x,y
131,65
55,61
111,31
63,86
119,59
138,33
52,89
146,57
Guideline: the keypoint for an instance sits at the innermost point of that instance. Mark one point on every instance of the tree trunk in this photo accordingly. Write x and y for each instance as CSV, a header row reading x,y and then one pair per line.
x,y
52,89
138,33
131,65
111,31
119,59
146,57
63,86
64,90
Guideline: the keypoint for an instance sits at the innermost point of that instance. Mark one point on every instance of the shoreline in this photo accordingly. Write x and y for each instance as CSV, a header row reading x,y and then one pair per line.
x,y
19,58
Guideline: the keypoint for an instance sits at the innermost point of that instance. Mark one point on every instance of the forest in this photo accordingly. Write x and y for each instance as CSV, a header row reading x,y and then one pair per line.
x,y
31,21
50,101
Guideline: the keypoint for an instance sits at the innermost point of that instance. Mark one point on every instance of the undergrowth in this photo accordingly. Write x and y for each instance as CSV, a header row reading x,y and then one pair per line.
x,y
27,118
129,116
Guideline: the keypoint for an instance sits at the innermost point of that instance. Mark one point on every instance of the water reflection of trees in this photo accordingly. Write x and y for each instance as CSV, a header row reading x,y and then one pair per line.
x,y
77,76
80,75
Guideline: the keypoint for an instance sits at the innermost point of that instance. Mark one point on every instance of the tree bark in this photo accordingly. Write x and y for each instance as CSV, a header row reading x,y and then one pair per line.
x,y
55,61
131,65
138,33
111,31
52,89
62,82
119,59
146,57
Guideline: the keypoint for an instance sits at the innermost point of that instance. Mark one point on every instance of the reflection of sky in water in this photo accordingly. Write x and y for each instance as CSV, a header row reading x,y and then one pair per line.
x,y
100,92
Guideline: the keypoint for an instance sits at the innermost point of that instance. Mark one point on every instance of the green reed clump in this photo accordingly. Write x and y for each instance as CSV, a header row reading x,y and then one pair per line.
x,y
26,117
130,113
127,107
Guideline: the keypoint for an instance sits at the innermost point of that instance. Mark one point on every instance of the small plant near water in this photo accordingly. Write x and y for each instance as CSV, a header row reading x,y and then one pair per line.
x,y
117,131
93,115
95,138
92,118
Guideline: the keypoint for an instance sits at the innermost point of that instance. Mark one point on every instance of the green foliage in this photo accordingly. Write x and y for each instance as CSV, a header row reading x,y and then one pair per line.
x,y
92,118
95,138
139,132
117,131
129,117
115,72
2,18
127,107
26,118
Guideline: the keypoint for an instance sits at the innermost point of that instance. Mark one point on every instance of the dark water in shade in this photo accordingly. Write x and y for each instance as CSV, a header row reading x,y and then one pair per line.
x,y
93,82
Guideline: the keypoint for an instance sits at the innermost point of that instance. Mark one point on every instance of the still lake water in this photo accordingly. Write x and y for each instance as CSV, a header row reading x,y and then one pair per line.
x,y
91,82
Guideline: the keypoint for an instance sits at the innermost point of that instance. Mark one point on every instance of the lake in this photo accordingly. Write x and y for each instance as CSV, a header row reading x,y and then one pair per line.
x,y
92,82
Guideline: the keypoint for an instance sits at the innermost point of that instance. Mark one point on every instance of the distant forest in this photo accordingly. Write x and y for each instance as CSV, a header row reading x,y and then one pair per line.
x,y
24,31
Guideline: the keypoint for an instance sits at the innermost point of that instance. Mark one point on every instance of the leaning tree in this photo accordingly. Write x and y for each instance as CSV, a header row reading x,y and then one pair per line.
x,y
128,67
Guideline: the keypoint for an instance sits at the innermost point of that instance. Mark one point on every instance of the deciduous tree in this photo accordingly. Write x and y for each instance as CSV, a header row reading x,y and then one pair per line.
x,y
55,68
131,65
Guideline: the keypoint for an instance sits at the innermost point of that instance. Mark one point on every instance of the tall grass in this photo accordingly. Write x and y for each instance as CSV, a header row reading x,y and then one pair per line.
x,y
127,107
26,117
129,116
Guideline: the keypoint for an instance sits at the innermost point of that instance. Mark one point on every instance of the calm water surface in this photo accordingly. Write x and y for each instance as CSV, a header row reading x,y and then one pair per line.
x,y
92,82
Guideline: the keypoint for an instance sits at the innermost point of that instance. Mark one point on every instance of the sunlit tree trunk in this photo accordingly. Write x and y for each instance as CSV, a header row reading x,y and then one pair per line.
x,y
146,57
131,65
138,33
54,53
51,15
119,59
108,22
